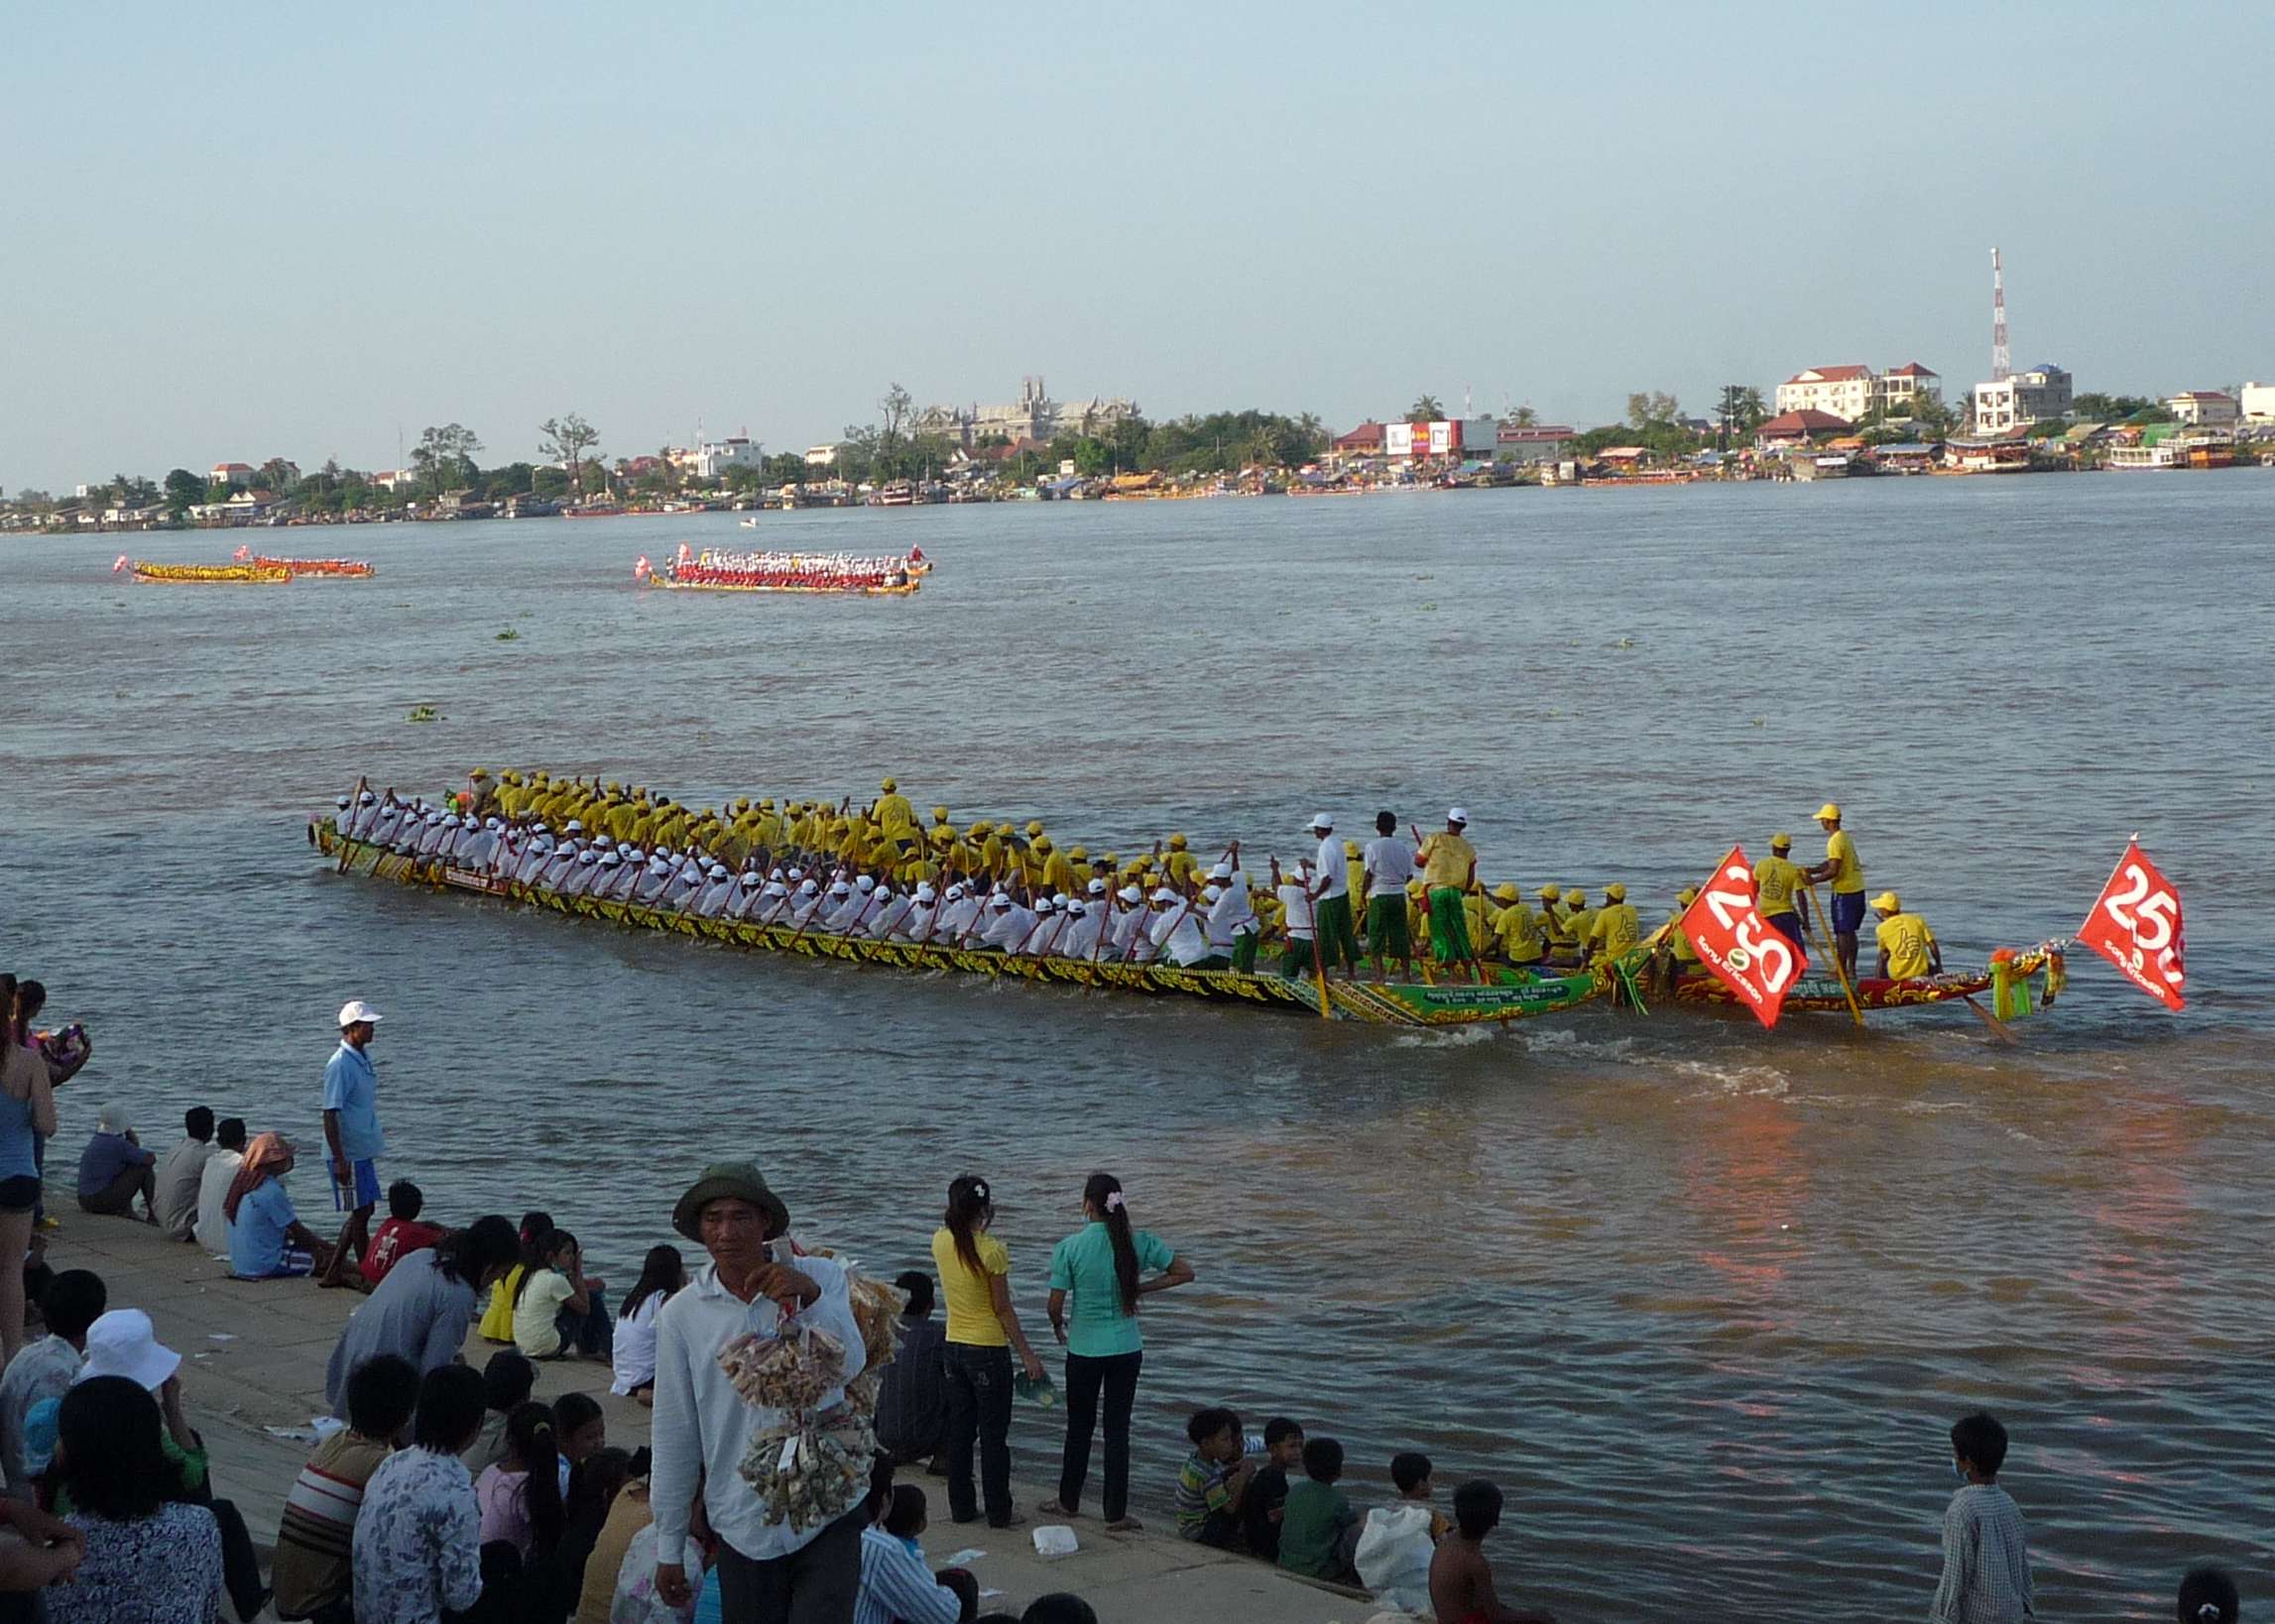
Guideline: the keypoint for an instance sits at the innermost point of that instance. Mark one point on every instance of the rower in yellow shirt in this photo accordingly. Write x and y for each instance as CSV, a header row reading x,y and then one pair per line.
x,y
1678,941
1777,893
1616,929
1579,922
1845,870
892,810
1518,929
1057,871
1555,940
1908,949
1180,862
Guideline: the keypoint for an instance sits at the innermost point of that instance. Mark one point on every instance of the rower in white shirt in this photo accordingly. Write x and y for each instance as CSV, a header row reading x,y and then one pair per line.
x,y
774,904
879,921
958,909
1176,933
608,877
1079,940
718,889
1008,925
366,814
1127,936
845,903
921,917
647,890
533,861
811,901
343,819
1048,922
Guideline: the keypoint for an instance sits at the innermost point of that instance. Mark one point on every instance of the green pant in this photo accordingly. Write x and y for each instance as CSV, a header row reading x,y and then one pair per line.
x,y
1244,952
1338,942
1296,960
1449,926
1386,936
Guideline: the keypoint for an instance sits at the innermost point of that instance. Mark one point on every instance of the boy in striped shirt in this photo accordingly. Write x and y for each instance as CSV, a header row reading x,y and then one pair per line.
x,y
316,1533
1214,1481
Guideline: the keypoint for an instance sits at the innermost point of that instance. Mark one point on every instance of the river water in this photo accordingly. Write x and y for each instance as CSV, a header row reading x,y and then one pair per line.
x,y
1704,1299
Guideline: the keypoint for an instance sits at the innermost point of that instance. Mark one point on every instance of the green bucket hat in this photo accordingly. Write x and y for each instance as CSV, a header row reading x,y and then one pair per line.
x,y
739,1181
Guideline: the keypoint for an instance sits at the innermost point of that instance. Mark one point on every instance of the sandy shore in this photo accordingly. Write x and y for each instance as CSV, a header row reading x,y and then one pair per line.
x,y
253,1378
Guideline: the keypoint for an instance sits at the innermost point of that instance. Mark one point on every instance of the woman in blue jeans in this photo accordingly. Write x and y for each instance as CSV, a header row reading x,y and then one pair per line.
x,y
1103,1265
983,1331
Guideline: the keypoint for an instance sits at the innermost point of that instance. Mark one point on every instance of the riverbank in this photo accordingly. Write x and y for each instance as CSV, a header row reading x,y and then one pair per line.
x,y
253,1377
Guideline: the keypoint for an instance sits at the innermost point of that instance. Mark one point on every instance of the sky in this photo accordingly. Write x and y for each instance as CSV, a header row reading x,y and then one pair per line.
x,y
236,232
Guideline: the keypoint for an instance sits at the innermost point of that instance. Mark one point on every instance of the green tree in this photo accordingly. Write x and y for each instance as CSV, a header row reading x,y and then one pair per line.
x,y
443,459
570,441
183,490
1425,409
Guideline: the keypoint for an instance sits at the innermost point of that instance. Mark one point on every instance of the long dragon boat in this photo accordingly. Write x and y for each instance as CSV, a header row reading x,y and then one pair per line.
x,y
211,575
347,568
1394,1003
714,570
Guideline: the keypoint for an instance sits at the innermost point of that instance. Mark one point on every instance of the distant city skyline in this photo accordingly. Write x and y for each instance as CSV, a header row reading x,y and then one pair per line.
x,y
233,240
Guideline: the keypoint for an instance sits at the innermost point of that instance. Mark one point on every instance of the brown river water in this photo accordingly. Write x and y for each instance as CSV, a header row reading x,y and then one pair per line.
x,y
1705,1300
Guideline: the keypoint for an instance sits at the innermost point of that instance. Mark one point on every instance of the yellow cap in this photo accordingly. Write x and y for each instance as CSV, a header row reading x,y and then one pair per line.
x,y
1887,903
1079,853
1781,843
979,831
1548,893
1177,842
939,814
1350,849
766,805
1614,892
1033,827
1504,892
1043,843
1575,895
479,772
1829,810
1108,858
1687,896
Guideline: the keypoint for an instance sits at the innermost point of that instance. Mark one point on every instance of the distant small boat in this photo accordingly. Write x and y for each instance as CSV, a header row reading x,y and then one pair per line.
x,y
750,524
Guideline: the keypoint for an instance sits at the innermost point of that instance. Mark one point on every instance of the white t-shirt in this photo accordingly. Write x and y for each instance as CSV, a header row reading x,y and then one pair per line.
x,y
635,1344
1391,861
1334,867
212,1192
1296,903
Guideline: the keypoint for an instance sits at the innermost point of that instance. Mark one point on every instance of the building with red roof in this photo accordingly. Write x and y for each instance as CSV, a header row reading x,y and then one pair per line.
x,y
1852,390
1364,442
1799,427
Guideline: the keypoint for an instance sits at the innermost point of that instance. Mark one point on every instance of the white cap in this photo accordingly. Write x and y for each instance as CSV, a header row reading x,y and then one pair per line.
x,y
924,893
717,871
841,889
1223,870
588,856
1003,900
867,884
1209,893
1457,814
1060,898
1164,894
1097,888
434,820
1321,820
751,877
343,800
955,893
367,797
122,1344
450,820
1075,908
776,888
355,1011
808,888
493,822
1129,893
576,826
1043,904
609,859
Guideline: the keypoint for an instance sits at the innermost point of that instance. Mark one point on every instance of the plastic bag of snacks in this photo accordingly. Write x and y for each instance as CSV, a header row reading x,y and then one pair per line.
x,y
794,1369
812,1470
877,1310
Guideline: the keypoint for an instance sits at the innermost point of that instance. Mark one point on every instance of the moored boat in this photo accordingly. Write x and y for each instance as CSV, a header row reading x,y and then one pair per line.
x,y
204,574
349,568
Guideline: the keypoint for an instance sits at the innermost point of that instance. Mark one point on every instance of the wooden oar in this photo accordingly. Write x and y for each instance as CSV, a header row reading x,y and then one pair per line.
x,y
1821,925
1998,1028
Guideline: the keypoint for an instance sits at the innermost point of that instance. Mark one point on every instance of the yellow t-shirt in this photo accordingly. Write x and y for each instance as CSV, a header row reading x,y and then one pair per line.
x,y
1447,860
1580,927
498,1317
1680,942
1519,932
1615,930
1850,876
1775,882
1904,938
972,1317
895,812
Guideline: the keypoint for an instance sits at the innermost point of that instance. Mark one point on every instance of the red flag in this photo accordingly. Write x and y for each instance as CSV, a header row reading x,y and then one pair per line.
x,y
1754,960
2135,925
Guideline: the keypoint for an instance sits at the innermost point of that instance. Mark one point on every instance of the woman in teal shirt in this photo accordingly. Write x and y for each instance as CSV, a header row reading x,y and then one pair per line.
x,y
1103,1264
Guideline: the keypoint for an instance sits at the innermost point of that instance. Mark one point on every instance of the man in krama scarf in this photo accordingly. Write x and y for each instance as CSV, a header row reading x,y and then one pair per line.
x,y
267,1239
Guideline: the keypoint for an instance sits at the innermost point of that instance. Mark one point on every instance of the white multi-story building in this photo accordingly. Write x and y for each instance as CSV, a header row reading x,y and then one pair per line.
x,y
713,458
2205,408
2025,397
235,475
1034,416
821,457
2258,402
1850,392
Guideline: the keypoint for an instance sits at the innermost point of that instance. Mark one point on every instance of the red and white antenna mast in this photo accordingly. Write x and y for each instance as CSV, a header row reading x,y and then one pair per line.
x,y
2002,364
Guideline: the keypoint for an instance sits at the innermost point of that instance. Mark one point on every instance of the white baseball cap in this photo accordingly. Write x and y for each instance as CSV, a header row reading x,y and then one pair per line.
x,y
1457,814
923,893
1321,820
355,1013
1129,893
1223,870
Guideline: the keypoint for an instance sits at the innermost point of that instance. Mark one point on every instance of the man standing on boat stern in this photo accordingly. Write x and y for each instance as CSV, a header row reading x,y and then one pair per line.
x,y
1331,900
1448,871
1845,870
351,1131
767,1573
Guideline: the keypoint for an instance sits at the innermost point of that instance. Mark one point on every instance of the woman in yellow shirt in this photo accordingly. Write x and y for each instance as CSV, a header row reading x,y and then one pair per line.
x,y
983,1330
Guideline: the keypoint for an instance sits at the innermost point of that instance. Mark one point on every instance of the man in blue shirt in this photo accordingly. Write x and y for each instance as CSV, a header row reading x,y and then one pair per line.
x,y
352,1130
267,1239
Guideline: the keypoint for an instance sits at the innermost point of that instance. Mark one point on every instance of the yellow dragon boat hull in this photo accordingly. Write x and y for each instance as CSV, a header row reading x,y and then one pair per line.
x,y
210,574
1389,1005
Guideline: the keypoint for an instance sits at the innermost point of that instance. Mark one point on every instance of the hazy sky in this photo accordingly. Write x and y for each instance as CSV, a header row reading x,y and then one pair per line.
x,y
243,232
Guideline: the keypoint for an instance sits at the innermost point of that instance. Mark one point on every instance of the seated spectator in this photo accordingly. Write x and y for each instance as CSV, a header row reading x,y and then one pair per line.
x,y
2208,1596
895,1583
912,1392
121,1342
1399,1541
553,1585
180,1171
213,1182
43,1550
664,1273
1461,1580
72,1302
1318,1526
1261,1510
417,1550
627,1515
400,1234
1212,1487
114,1169
507,1382
267,1239
421,1310
580,1428
557,1311
536,1246
522,1496
148,1556
316,1533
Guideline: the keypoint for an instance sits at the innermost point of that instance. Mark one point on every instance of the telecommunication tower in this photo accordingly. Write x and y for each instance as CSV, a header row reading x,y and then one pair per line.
x,y
2000,363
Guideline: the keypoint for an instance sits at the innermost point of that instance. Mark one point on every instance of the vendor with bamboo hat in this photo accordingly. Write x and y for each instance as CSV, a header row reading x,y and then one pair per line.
x,y
1908,949
1845,870
1778,890
703,1428
1449,872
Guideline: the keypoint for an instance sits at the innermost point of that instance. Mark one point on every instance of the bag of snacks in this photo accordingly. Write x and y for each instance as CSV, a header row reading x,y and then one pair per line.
x,y
813,1469
794,1370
